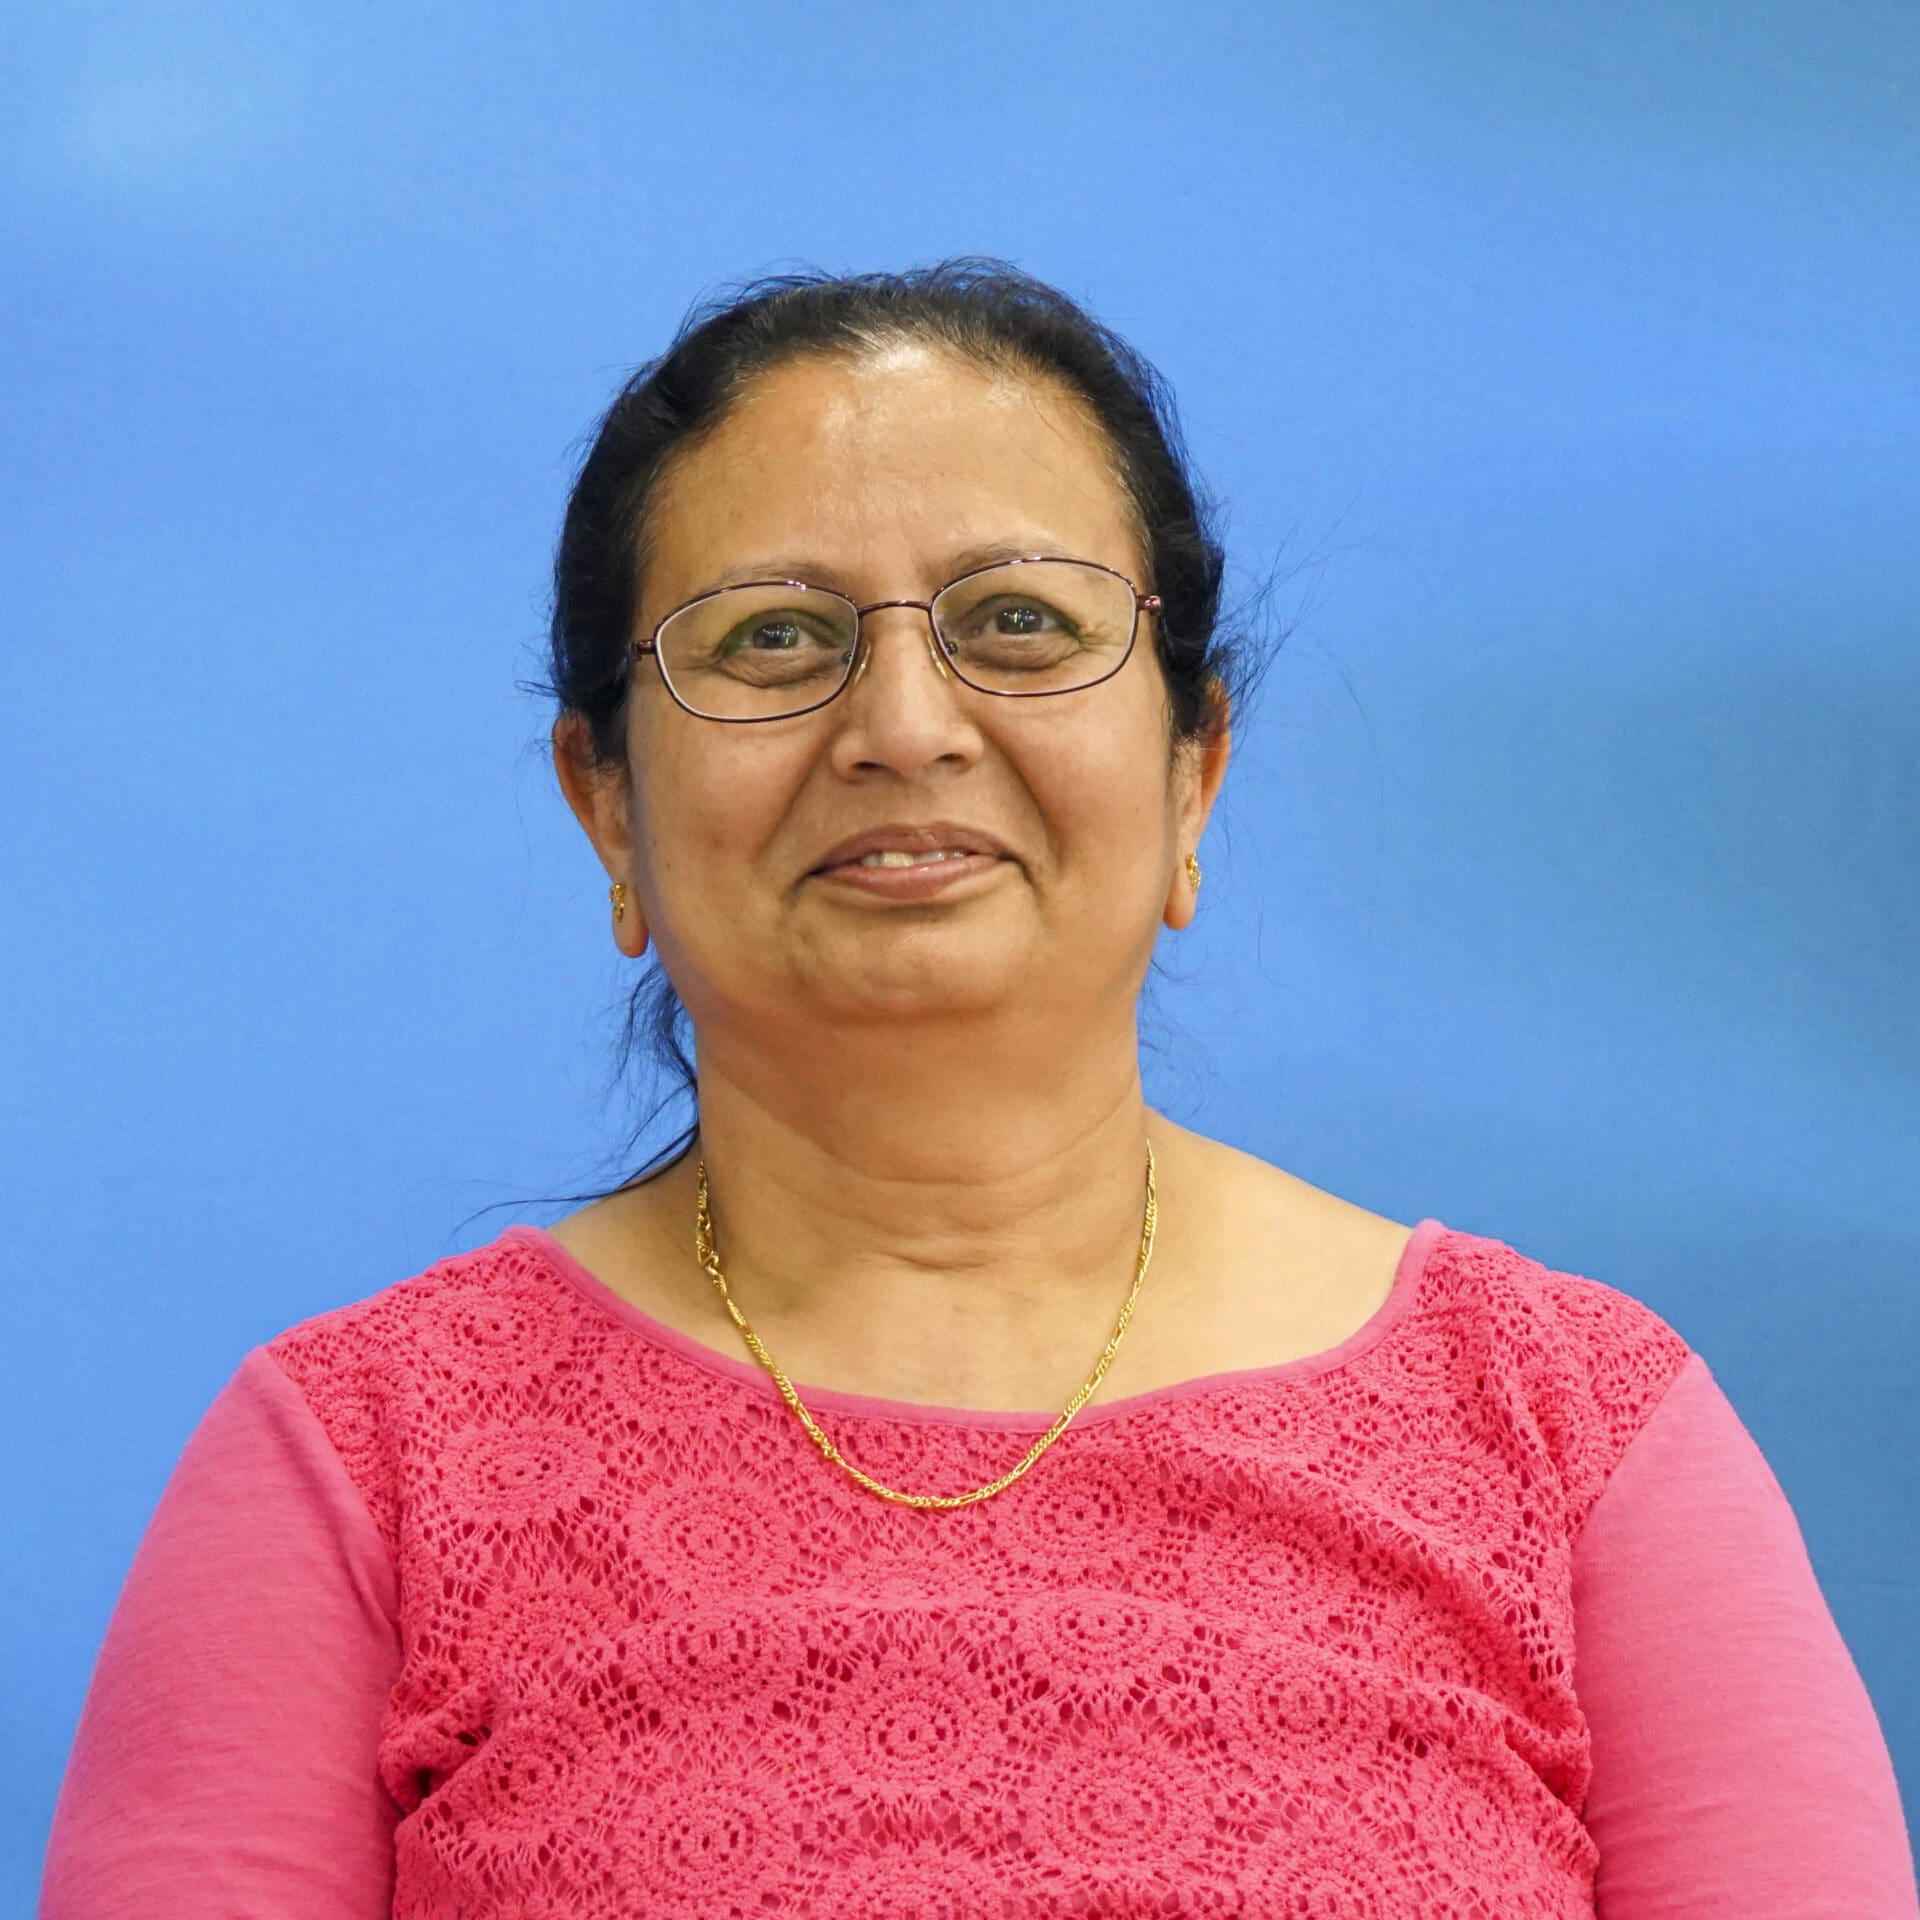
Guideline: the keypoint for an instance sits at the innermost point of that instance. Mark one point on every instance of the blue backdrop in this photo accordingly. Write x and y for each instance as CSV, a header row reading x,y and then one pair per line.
x,y
1566,883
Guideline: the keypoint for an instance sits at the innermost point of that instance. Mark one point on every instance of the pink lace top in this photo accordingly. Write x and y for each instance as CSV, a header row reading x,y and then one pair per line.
x,y
491,1596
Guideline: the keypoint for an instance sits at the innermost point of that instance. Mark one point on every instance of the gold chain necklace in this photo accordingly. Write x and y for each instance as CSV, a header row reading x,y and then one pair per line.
x,y
709,1258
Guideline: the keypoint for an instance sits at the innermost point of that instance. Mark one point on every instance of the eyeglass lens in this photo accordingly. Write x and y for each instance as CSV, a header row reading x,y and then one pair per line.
x,y
1031,626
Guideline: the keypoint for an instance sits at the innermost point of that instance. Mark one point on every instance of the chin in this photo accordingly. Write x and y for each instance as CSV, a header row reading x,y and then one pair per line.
x,y
905,986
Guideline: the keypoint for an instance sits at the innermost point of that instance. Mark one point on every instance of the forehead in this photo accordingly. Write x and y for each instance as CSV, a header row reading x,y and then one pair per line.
x,y
880,469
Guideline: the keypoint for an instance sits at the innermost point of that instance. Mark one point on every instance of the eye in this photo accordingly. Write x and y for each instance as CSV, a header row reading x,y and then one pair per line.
x,y
1025,617
773,633
1012,617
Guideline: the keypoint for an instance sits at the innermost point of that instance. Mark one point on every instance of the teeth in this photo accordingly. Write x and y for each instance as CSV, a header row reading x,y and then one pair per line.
x,y
898,857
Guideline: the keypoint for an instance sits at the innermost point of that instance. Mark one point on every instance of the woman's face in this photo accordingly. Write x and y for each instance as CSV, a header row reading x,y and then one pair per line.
x,y
881,477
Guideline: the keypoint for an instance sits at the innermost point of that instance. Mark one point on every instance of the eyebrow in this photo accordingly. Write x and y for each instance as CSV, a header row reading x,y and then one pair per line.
x,y
787,567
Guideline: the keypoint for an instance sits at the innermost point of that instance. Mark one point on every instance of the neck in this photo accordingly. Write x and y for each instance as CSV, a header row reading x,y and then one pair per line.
x,y
908,1182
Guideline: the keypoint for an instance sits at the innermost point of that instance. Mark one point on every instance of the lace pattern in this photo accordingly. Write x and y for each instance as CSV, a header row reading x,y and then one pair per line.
x,y
1289,1643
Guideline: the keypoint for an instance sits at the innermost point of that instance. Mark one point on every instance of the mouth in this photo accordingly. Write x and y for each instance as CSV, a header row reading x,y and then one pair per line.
x,y
909,873
903,847
899,857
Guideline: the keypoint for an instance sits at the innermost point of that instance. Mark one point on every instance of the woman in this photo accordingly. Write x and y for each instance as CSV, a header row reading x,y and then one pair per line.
x,y
1152,1533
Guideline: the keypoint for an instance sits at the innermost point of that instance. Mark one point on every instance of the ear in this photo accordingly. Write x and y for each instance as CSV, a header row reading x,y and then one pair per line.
x,y
1199,768
602,804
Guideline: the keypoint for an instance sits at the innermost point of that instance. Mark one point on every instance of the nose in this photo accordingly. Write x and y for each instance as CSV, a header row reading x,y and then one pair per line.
x,y
906,709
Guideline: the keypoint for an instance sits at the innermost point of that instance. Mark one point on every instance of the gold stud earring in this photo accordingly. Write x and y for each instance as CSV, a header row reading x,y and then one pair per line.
x,y
617,893
1193,870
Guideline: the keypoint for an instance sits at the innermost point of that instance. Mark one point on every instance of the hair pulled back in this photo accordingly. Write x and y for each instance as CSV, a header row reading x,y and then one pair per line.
x,y
984,309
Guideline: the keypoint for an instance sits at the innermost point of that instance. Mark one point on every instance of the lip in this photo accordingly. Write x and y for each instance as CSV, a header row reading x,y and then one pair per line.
x,y
929,837
932,880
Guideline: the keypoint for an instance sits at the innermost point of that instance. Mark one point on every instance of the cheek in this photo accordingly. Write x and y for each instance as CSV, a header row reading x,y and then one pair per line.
x,y
1103,797
710,798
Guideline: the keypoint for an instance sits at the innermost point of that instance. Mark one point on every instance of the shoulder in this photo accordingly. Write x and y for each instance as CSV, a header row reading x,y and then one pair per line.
x,y
495,1296
384,1372
1591,1361
1553,1311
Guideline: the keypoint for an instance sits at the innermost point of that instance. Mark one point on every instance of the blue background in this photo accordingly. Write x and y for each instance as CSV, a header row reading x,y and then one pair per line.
x,y
1561,358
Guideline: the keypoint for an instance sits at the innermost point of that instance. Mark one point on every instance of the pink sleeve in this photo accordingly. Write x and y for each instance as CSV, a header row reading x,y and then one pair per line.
x,y
1738,1765
224,1765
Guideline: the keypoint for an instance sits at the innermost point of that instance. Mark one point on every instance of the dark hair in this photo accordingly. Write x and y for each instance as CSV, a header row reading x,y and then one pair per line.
x,y
982,308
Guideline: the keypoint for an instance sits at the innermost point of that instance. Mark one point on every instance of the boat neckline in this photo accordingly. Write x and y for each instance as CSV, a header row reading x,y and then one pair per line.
x,y
1408,1273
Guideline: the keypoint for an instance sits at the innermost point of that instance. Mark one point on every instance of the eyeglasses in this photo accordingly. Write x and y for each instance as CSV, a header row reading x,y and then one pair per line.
x,y
1025,628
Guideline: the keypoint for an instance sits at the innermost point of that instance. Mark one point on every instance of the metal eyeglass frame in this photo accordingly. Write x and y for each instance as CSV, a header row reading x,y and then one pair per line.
x,y
857,659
